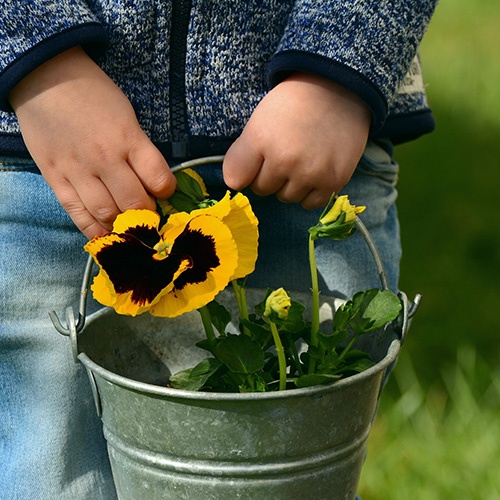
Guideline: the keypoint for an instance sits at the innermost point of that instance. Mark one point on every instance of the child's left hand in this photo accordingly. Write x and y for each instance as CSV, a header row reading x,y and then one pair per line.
x,y
302,142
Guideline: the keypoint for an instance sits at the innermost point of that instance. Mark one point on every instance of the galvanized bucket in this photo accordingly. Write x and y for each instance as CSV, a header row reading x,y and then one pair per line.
x,y
170,444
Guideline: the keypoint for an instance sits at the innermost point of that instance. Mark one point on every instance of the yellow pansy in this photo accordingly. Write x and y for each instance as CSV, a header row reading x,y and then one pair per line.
x,y
212,252
130,279
178,268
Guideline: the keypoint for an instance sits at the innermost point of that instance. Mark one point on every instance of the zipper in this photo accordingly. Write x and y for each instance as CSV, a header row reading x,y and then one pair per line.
x,y
179,137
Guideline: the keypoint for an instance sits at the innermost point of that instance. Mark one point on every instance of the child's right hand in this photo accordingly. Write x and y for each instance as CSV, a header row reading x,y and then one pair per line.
x,y
83,134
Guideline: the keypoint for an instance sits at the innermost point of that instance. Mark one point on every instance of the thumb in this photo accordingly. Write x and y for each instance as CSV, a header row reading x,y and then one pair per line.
x,y
242,163
151,168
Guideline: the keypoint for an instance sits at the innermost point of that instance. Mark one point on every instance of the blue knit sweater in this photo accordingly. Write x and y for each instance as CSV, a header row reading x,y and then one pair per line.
x,y
195,70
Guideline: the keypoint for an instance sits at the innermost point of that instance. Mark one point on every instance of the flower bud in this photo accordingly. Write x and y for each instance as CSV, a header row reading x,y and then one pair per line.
x,y
342,204
338,222
278,302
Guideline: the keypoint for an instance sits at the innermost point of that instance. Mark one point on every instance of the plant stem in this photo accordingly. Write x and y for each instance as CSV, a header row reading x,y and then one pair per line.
x,y
241,299
347,348
207,325
315,302
281,355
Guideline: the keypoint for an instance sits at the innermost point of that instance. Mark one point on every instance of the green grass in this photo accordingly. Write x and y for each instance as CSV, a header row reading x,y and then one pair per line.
x,y
449,187
433,444
437,435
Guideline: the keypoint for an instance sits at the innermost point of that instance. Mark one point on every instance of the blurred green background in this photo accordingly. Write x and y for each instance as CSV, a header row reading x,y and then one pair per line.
x,y
437,434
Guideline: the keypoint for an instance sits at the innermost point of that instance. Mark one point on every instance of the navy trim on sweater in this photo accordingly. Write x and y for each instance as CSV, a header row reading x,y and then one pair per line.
x,y
285,63
407,127
92,37
398,129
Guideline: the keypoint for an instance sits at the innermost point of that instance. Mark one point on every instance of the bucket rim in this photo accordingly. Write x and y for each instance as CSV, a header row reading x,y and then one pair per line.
x,y
317,390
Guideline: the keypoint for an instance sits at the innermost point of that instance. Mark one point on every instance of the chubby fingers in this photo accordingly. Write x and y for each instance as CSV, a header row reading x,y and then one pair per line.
x,y
93,201
94,196
290,176
245,165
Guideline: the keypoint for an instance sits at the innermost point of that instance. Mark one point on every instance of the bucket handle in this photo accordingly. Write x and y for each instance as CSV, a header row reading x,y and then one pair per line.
x,y
75,326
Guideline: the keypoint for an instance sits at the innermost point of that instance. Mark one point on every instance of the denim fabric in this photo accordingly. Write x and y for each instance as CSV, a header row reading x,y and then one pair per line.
x,y
51,443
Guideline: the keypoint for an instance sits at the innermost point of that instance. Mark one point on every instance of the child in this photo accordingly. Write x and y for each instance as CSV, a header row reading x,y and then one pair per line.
x,y
303,98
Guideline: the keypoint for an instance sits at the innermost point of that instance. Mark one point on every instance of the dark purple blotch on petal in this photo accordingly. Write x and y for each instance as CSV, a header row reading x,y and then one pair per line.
x,y
131,267
200,248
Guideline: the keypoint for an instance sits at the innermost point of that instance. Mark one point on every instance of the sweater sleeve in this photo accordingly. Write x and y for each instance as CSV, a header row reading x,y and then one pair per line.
x,y
34,31
366,46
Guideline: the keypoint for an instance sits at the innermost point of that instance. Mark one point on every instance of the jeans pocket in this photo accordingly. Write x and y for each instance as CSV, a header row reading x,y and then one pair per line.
x,y
17,164
377,161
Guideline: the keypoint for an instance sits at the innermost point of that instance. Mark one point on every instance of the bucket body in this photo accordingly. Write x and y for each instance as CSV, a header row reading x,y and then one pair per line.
x,y
170,444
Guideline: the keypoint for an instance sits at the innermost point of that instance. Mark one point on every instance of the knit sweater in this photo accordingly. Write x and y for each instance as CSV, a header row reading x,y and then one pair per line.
x,y
195,70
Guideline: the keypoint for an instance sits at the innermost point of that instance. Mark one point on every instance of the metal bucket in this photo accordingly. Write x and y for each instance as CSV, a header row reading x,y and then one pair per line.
x,y
170,444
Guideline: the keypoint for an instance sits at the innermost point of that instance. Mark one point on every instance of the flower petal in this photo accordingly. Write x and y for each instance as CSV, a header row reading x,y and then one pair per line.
x,y
136,218
244,227
103,289
238,215
212,251
131,279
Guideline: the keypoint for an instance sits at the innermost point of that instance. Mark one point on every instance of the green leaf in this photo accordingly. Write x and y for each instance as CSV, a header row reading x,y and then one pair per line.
x,y
254,383
338,230
193,379
259,331
312,379
182,202
295,321
330,342
205,344
219,316
355,354
189,186
359,365
313,352
373,309
342,317
234,381
240,354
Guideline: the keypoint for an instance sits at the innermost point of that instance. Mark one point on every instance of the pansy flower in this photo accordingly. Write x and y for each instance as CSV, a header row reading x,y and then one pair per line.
x,y
178,268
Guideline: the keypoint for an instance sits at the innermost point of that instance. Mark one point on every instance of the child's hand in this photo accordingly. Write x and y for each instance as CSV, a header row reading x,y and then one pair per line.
x,y
83,134
302,143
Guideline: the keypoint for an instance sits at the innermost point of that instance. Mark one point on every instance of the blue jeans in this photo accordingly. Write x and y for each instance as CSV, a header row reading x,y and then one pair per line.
x,y
51,443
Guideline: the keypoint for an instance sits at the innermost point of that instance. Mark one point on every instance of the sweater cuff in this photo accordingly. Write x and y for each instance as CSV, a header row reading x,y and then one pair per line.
x,y
285,63
92,37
